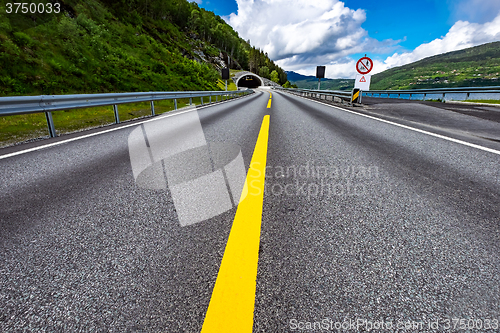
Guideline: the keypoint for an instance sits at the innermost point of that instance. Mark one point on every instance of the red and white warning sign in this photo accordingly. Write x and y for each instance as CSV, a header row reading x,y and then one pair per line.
x,y
362,82
364,65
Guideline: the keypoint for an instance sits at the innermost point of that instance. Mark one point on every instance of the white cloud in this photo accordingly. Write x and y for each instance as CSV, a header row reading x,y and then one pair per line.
x,y
300,35
300,31
461,35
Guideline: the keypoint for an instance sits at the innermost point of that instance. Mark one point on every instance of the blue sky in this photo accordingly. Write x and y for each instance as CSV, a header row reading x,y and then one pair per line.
x,y
300,34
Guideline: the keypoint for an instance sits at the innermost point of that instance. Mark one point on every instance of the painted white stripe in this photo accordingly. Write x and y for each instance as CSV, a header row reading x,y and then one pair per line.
x,y
465,143
107,131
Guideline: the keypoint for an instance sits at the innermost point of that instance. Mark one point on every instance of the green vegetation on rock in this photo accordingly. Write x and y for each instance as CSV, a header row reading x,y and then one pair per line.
x,y
120,46
104,46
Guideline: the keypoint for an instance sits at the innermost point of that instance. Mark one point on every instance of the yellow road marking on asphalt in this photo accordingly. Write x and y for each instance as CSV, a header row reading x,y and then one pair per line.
x,y
269,104
233,298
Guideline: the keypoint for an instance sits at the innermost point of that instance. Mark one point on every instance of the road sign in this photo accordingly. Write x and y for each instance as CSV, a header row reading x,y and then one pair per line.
x,y
363,82
320,72
355,96
225,73
364,65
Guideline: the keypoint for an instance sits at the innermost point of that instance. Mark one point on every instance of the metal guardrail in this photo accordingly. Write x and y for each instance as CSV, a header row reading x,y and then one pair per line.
x,y
321,94
349,95
47,103
434,91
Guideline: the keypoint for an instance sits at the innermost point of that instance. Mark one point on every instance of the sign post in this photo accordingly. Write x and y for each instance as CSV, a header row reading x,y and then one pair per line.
x,y
320,74
225,75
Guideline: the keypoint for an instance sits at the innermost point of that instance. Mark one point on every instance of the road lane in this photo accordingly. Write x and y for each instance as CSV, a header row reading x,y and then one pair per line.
x,y
84,248
361,220
415,238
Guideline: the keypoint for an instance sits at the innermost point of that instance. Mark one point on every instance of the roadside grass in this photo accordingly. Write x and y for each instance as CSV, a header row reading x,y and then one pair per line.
x,y
234,71
27,127
231,86
20,128
489,101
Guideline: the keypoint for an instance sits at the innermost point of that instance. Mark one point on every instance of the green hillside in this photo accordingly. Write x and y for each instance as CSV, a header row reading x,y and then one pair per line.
x,y
119,46
475,66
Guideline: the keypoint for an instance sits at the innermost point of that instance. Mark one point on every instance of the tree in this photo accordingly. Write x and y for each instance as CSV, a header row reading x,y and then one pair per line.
x,y
275,77
264,72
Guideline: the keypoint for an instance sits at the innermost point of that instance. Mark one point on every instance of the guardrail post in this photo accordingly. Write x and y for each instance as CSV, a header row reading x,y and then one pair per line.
x,y
50,124
467,97
117,116
210,99
190,101
175,103
201,100
152,108
425,95
443,97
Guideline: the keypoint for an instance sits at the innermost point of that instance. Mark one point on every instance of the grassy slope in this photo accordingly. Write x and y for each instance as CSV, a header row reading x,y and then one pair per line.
x,y
476,66
87,49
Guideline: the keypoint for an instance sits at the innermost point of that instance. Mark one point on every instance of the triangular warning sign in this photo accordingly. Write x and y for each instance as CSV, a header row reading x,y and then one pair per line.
x,y
362,79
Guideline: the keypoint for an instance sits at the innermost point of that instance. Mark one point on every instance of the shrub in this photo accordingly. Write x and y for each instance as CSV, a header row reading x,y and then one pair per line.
x,y
21,39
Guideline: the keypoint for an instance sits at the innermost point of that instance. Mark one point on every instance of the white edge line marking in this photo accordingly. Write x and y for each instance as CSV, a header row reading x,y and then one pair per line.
x,y
465,143
107,131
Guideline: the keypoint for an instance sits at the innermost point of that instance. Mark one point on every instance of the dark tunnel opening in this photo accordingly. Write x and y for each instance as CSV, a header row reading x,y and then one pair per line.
x,y
249,81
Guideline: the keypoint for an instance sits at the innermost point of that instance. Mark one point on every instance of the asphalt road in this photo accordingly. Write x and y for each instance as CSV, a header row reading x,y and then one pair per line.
x,y
363,222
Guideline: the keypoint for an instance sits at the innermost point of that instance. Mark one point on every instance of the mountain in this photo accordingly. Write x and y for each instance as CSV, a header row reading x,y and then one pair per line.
x,y
94,46
475,66
311,82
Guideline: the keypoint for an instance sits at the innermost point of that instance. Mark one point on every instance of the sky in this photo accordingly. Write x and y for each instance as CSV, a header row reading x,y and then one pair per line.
x,y
302,34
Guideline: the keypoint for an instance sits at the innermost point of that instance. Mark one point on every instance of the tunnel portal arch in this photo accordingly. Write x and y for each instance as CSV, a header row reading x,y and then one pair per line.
x,y
249,80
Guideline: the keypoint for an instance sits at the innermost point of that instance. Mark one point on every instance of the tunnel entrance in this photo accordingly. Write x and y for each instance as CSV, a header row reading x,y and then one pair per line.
x,y
249,81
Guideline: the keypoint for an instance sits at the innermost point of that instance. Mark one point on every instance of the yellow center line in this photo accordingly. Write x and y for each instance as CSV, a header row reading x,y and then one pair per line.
x,y
269,104
233,298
